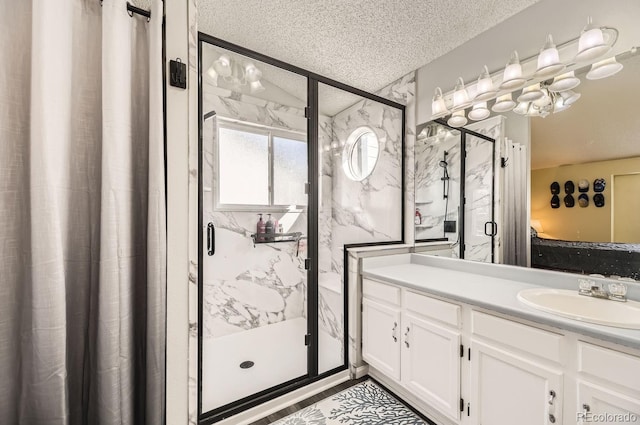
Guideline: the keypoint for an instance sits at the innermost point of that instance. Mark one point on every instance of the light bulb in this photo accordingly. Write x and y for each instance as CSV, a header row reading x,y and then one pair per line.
x,y
223,65
564,82
479,111
485,88
252,74
522,108
603,69
213,75
530,93
512,77
460,96
504,103
457,119
438,106
549,60
591,44
559,105
570,97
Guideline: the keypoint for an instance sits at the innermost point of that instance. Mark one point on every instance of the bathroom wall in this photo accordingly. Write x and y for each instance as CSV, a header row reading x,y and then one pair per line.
x,y
247,286
589,224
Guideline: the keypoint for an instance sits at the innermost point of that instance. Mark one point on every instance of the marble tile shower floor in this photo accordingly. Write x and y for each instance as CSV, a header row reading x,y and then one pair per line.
x,y
364,403
278,354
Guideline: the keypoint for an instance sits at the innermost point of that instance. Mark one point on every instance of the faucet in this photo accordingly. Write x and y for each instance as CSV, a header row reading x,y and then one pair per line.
x,y
590,288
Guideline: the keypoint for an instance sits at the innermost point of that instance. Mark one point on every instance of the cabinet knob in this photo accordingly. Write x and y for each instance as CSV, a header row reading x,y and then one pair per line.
x,y
552,419
393,332
406,337
552,396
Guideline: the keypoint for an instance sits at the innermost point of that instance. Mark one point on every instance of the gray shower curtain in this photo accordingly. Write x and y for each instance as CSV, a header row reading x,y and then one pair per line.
x,y
82,214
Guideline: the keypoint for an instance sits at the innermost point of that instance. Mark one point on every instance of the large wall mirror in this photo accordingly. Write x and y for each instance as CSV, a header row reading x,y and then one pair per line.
x,y
583,209
590,155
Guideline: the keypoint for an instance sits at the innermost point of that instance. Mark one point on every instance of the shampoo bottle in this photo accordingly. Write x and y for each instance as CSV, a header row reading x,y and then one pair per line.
x,y
260,229
269,226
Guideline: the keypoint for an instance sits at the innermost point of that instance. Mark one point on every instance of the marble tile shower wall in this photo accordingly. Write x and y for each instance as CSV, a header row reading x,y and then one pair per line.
x,y
370,210
478,187
430,189
247,286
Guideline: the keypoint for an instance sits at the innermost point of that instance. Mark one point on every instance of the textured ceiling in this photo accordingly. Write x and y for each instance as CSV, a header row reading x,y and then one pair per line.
x,y
603,124
363,43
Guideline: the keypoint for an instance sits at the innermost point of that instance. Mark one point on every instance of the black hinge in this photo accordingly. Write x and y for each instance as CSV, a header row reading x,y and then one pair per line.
x,y
468,409
307,339
307,112
307,263
461,350
469,354
307,188
462,405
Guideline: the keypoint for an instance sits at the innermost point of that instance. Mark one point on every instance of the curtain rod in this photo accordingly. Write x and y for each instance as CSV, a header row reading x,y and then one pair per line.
x,y
132,9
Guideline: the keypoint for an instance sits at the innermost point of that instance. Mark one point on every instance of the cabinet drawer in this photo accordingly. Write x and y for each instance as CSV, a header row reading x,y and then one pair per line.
x,y
609,365
380,291
432,308
526,338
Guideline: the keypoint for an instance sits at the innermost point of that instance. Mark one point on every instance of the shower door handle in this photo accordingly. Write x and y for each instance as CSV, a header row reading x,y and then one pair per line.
x,y
211,239
494,228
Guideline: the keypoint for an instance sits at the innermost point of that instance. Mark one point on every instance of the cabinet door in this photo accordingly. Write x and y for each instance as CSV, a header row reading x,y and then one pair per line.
x,y
603,405
431,363
381,337
508,389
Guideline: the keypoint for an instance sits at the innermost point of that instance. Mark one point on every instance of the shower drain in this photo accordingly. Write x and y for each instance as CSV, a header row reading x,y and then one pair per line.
x,y
246,364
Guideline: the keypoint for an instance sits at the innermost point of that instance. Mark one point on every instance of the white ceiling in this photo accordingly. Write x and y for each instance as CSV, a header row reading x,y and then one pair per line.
x,y
603,124
364,43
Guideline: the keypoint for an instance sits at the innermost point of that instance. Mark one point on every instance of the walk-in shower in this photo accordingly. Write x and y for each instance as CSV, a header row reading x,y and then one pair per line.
x,y
460,209
280,150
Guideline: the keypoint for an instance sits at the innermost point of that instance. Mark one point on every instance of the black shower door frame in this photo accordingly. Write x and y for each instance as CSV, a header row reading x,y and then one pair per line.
x,y
312,115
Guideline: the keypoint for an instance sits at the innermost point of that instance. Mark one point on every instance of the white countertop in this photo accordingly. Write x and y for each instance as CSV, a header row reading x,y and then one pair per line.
x,y
490,286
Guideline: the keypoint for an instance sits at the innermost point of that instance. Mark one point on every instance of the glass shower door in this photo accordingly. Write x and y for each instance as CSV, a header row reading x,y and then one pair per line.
x,y
254,224
479,221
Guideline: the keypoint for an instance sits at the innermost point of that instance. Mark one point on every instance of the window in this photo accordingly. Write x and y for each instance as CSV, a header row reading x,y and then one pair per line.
x,y
260,168
360,154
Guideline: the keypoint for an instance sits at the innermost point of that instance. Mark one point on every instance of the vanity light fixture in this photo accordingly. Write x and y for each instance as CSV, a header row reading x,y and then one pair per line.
x,y
235,74
485,86
504,103
549,60
479,112
603,69
541,96
591,44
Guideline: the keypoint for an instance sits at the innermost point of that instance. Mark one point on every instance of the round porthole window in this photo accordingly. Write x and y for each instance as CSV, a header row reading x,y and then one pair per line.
x,y
360,153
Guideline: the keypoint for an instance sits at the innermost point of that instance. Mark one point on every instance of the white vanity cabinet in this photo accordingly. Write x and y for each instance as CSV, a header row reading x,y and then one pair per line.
x,y
608,385
516,373
402,341
380,337
381,327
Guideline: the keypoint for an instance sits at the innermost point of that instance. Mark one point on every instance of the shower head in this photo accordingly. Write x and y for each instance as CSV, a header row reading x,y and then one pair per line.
x,y
443,164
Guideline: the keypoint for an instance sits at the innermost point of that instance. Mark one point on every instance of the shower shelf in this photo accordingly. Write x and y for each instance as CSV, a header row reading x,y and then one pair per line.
x,y
276,237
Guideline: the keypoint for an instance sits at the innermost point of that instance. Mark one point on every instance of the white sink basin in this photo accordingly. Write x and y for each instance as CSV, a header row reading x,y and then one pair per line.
x,y
570,304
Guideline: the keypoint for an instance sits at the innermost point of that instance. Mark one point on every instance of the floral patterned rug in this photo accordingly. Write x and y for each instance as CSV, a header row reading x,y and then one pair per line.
x,y
365,403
